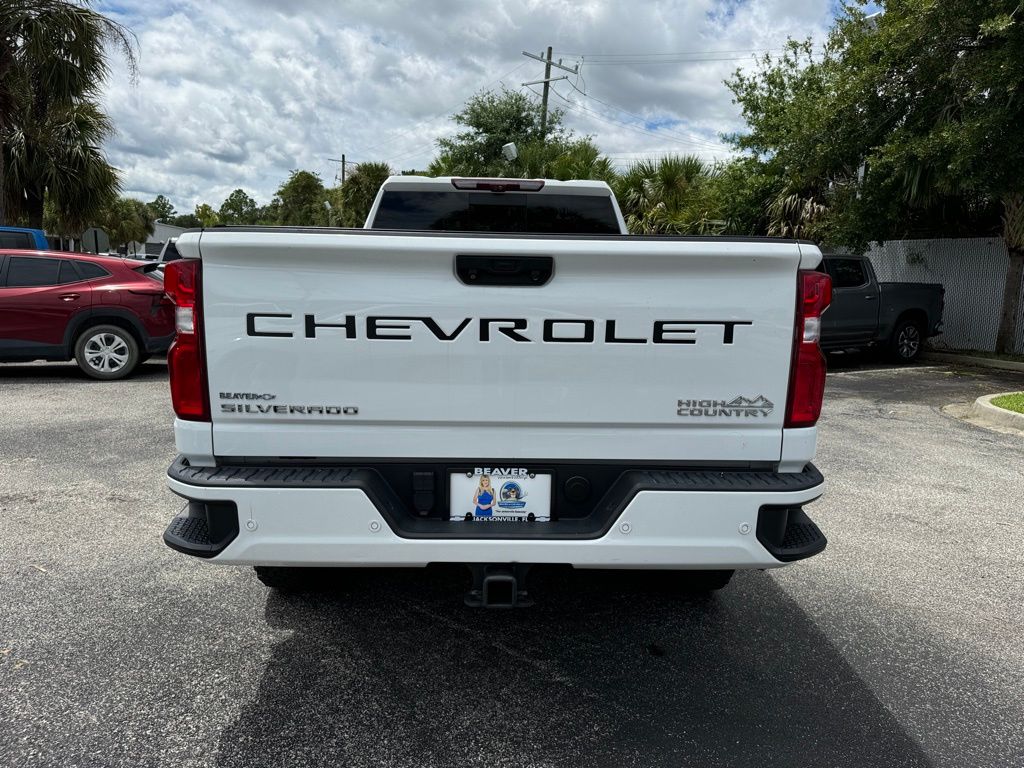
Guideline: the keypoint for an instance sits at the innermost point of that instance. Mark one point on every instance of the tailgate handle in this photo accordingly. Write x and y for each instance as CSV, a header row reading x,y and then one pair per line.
x,y
504,270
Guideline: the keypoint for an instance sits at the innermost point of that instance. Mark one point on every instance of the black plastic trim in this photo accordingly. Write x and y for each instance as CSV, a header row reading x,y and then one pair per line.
x,y
405,523
788,533
205,529
97,315
504,270
503,235
383,461
17,350
159,344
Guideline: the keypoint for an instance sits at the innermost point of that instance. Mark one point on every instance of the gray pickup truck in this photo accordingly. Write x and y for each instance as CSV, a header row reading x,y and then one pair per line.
x,y
866,313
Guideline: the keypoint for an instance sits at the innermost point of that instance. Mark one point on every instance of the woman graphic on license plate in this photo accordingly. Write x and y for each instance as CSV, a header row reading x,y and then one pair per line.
x,y
483,498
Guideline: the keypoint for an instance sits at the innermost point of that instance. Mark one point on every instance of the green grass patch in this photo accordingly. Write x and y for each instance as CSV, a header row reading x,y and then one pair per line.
x,y
1014,402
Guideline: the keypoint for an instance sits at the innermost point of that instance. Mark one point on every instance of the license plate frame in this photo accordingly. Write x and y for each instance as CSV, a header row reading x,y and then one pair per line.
x,y
519,494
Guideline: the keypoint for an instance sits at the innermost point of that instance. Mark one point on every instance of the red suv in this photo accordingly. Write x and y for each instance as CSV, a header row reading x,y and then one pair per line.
x,y
106,313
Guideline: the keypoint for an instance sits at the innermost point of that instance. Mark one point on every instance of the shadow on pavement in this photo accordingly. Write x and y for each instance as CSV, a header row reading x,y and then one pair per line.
x,y
70,372
609,669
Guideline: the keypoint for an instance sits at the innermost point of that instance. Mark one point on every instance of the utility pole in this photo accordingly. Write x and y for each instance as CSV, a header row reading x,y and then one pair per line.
x,y
548,64
544,100
342,164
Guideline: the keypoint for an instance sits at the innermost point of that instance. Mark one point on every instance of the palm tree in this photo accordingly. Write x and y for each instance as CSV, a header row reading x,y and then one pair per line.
x,y
581,160
53,60
673,195
356,195
798,216
60,160
126,220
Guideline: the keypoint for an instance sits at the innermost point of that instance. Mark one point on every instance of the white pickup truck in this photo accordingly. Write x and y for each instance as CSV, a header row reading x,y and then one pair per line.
x,y
493,373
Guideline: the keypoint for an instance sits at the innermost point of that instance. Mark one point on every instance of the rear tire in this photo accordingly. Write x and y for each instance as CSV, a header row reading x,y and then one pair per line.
x,y
907,341
106,352
703,582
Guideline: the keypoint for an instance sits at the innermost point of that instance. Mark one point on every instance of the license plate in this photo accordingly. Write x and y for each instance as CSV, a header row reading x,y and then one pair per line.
x,y
500,494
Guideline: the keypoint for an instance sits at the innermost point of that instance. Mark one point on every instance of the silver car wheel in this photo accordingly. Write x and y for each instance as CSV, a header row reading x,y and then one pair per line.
x,y
106,352
909,342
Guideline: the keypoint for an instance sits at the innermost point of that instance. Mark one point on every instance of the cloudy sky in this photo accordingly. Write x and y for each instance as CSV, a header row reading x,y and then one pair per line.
x,y
235,93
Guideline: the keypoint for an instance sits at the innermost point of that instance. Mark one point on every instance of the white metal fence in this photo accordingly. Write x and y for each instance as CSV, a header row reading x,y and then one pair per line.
x,y
973,270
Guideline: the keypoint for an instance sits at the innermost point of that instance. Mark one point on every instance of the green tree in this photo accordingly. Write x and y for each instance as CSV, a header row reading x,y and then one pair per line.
x,y
186,220
269,214
301,200
162,208
675,194
238,208
743,188
797,141
53,60
354,199
126,220
56,226
579,159
492,120
206,215
911,118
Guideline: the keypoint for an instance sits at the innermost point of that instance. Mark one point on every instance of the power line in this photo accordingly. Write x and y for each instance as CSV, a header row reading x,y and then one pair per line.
x,y
705,60
640,54
577,107
548,65
404,131
650,62
573,106
643,58
411,152
672,54
696,142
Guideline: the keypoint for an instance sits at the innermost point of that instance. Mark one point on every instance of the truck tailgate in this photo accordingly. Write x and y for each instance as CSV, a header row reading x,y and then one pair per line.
x,y
350,344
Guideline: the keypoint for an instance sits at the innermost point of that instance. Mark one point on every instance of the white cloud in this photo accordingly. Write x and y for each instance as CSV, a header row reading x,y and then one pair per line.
x,y
236,93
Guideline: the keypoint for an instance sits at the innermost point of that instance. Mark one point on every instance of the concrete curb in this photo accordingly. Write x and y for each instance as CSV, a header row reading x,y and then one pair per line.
x,y
983,411
981,362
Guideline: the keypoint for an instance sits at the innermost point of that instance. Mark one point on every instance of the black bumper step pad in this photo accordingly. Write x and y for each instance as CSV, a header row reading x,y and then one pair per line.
x,y
788,533
205,530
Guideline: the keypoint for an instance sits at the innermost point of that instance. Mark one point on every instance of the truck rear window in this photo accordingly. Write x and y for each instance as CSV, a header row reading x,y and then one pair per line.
x,y
17,240
496,212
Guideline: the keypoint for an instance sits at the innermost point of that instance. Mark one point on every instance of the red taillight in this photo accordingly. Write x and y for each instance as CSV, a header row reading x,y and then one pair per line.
x,y
807,376
186,361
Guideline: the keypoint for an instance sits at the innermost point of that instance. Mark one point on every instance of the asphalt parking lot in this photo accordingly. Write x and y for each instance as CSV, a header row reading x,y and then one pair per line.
x,y
901,645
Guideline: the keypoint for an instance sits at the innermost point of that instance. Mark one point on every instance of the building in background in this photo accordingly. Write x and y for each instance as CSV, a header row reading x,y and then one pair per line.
x,y
154,243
